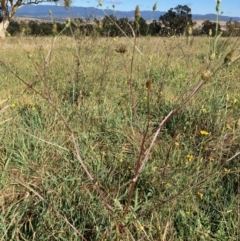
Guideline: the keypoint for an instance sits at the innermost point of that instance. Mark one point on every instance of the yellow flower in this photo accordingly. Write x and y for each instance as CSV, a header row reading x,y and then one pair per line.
x,y
204,133
226,170
211,159
190,157
14,104
187,212
168,185
140,228
154,169
204,110
235,101
150,57
200,195
177,143
227,97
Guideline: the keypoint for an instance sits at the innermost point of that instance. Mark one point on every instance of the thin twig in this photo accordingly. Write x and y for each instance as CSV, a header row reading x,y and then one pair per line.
x,y
48,142
230,159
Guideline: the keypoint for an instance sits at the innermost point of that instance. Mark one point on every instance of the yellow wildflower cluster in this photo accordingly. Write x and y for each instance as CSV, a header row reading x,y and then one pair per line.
x,y
204,110
190,157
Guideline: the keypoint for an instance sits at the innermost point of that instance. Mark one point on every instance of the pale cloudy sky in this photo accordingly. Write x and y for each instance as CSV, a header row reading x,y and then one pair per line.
x,y
229,7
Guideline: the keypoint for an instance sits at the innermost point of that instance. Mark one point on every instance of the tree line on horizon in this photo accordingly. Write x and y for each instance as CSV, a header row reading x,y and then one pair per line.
x,y
176,22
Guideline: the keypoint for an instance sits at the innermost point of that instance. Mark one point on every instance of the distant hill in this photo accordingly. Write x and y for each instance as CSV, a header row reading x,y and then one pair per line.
x,y
58,12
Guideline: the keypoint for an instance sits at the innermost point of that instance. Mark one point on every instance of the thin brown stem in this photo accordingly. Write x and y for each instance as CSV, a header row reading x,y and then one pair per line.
x,y
138,164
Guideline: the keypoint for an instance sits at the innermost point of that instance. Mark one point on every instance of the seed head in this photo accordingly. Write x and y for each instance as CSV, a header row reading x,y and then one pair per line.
x,y
154,7
100,24
68,23
148,84
137,14
206,75
54,29
121,48
210,32
212,56
189,30
229,57
218,6
67,3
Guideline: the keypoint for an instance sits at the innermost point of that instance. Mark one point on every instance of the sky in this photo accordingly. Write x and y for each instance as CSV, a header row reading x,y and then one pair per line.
x,y
228,7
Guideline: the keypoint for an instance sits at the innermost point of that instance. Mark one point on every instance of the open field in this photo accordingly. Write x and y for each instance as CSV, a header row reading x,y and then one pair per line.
x,y
86,118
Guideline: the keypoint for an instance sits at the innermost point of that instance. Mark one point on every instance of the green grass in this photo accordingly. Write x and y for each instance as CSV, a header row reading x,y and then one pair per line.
x,y
187,190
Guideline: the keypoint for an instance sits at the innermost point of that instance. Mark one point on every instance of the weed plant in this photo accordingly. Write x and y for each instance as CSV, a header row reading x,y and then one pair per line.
x,y
119,138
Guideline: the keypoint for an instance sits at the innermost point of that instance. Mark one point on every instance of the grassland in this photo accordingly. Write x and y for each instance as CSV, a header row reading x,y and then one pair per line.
x,y
86,119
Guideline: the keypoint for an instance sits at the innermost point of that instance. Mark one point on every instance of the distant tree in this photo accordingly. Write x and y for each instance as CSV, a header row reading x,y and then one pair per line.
x,y
9,7
177,19
197,31
88,29
127,27
46,28
124,24
143,26
13,28
34,26
155,28
60,26
233,27
83,27
207,25
24,28
108,26
70,30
